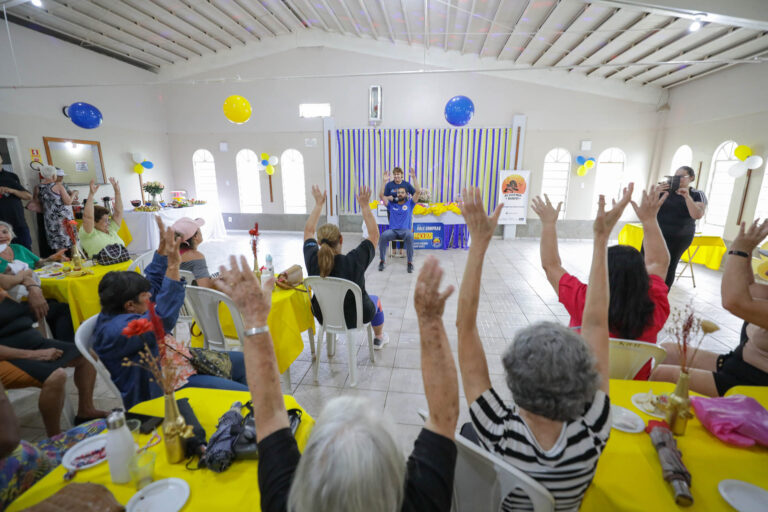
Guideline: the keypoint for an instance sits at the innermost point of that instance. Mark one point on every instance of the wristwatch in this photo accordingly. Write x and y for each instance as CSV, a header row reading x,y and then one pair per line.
x,y
739,253
257,330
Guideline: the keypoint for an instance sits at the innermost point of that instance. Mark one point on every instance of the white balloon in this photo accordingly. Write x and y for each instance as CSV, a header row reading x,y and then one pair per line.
x,y
754,162
137,157
273,160
738,169
260,167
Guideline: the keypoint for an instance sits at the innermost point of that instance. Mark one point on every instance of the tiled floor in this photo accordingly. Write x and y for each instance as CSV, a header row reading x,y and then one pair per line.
x,y
514,293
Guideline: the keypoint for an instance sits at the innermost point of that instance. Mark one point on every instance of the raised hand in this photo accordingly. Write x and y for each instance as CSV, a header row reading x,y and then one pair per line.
x,y
318,194
94,187
481,226
650,203
544,209
606,220
428,300
749,238
387,176
364,196
253,301
162,250
115,185
172,245
412,173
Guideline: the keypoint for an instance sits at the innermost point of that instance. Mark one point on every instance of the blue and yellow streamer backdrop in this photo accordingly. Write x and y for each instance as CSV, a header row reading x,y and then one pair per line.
x,y
445,160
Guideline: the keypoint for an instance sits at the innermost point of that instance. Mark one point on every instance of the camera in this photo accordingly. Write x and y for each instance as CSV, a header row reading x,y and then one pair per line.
x,y
673,182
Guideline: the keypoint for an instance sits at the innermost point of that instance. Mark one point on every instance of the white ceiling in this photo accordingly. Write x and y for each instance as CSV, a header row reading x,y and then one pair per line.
x,y
622,41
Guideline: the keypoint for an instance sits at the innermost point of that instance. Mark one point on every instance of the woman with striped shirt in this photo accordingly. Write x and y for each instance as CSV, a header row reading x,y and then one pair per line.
x,y
559,422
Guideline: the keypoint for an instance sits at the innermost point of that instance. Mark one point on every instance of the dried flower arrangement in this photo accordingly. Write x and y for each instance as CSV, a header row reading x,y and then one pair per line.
x,y
688,331
164,375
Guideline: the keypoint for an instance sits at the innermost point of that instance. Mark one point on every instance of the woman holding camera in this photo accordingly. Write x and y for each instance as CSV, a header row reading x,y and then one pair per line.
x,y
678,215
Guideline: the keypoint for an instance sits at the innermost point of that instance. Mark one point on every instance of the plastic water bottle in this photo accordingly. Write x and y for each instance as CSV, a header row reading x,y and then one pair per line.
x,y
269,270
120,448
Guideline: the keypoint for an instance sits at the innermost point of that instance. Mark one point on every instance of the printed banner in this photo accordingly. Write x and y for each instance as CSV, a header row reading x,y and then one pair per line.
x,y
428,235
513,191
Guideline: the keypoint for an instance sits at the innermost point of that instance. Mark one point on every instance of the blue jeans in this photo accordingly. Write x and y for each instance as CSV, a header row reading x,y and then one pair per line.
x,y
396,234
238,382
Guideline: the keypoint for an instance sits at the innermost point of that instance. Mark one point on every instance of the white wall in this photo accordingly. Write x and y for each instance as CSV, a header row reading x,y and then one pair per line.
x,y
134,116
731,105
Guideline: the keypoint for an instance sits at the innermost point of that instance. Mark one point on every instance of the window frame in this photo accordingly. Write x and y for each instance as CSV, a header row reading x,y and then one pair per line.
x,y
245,207
713,169
559,156
293,209
195,162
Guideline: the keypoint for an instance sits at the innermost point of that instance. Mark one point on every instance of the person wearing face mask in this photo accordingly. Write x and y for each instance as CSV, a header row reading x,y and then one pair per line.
x,y
125,296
678,215
12,193
98,230
400,213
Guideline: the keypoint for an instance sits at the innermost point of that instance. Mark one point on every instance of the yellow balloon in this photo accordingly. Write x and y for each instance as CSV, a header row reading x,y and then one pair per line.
x,y
265,156
138,169
581,171
237,109
270,170
589,164
373,205
742,152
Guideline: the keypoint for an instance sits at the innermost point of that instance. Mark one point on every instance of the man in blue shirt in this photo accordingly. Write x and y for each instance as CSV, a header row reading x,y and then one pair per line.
x,y
400,212
390,190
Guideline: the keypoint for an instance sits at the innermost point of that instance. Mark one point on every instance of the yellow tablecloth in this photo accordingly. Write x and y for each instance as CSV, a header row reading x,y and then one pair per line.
x,y
235,489
291,314
81,293
629,473
759,393
709,249
123,232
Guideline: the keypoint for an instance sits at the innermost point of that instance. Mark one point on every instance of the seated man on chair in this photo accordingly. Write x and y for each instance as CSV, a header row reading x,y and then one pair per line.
x,y
400,212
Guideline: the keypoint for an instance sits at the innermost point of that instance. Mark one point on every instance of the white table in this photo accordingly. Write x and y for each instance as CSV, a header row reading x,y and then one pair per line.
x,y
144,228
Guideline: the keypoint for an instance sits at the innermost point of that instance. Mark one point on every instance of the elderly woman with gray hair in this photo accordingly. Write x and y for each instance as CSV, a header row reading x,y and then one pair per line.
x,y
57,208
352,461
559,420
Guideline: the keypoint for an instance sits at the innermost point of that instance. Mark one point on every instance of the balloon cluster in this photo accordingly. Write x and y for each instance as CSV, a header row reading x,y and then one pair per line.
x,y
459,110
584,165
83,115
267,162
140,163
746,161
237,109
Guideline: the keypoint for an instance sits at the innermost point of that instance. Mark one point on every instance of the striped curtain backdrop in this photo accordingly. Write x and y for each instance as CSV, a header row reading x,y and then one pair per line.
x,y
445,160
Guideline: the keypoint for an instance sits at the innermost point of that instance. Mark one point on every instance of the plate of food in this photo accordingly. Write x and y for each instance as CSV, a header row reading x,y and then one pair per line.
x,y
651,404
87,453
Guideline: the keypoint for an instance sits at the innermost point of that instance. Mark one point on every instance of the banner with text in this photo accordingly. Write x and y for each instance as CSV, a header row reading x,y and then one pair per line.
x,y
428,235
513,191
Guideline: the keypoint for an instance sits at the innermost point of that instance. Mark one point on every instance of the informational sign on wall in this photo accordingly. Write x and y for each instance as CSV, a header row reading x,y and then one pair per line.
x,y
34,155
513,194
428,235
81,166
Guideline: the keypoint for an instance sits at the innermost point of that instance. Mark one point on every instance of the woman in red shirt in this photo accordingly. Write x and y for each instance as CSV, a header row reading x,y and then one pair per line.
x,y
639,306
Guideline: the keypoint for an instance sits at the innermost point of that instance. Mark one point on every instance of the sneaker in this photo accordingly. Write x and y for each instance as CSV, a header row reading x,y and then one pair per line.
x,y
410,268
378,343
381,266
401,254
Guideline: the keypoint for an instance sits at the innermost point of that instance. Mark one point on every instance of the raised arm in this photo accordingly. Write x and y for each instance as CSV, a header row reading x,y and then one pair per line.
x,y
310,228
656,252
550,255
117,213
416,186
254,303
384,181
364,199
438,370
60,189
738,276
472,362
594,322
88,219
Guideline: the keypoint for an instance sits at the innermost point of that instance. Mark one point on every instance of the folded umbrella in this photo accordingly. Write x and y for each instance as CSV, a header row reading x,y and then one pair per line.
x,y
221,447
196,443
672,467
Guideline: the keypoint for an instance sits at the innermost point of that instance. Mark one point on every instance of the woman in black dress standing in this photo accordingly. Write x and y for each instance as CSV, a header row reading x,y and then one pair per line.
x,y
678,215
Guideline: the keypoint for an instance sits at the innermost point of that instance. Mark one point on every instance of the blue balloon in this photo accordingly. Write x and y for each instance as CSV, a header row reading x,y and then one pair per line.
x,y
265,163
590,159
147,164
84,115
459,110
580,160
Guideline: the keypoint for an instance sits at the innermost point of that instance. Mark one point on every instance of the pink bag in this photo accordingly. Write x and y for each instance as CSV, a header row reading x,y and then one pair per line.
x,y
737,419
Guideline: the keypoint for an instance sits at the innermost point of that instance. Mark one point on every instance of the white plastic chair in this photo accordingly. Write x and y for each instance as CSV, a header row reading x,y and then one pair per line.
x,y
141,262
84,343
627,357
330,293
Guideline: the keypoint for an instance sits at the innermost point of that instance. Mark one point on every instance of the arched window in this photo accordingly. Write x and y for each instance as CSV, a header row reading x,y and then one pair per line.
x,y
204,170
609,179
683,156
554,181
761,212
292,169
249,187
720,185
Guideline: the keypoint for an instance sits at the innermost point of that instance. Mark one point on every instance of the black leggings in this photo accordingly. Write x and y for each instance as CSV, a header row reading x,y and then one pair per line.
x,y
677,242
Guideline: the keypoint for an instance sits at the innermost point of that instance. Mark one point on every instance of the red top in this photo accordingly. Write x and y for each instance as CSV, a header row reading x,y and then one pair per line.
x,y
573,295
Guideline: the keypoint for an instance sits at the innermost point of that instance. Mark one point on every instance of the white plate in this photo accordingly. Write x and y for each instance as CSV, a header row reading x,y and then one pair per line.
x,y
625,420
85,446
744,496
638,401
167,495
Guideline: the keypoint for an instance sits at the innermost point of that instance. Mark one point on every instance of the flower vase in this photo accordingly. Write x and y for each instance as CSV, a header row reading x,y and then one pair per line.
x,y
77,258
154,201
175,431
679,406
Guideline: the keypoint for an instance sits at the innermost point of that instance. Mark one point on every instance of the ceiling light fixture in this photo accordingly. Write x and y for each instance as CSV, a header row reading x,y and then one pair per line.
x,y
696,24
37,3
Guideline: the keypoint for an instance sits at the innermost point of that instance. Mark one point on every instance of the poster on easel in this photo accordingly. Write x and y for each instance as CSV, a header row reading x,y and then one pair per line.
x,y
514,188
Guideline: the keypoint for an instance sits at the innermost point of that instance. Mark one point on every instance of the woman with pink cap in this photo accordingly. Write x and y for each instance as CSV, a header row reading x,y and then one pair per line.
x,y
191,259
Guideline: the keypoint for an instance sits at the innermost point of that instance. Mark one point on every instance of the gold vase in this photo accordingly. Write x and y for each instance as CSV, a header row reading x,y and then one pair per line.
x,y
175,431
77,258
679,406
